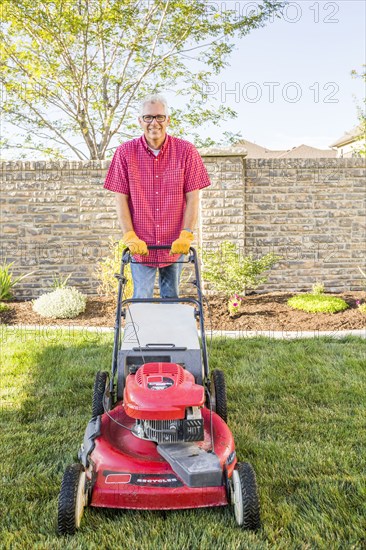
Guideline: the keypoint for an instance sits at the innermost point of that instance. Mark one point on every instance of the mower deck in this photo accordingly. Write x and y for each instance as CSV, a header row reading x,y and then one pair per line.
x,y
130,472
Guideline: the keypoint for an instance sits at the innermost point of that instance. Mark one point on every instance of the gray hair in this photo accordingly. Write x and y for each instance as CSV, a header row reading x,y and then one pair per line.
x,y
154,98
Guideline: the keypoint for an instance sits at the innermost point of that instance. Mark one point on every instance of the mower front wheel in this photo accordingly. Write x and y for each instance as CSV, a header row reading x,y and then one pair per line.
x,y
101,385
218,393
245,496
72,500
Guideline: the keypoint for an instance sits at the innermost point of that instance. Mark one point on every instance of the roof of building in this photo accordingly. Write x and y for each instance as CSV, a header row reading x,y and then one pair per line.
x,y
302,151
350,136
257,151
305,151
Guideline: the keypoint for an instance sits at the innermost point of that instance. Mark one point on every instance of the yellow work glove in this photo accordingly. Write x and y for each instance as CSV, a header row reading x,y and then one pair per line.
x,y
136,245
181,245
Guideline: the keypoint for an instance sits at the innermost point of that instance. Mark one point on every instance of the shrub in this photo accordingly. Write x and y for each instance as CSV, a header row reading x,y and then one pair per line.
x,y
361,307
107,268
232,273
3,307
317,303
7,282
318,288
363,276
60,282
62,303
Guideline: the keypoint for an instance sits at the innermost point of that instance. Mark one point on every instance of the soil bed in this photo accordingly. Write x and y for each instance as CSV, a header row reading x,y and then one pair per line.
x,y
258,312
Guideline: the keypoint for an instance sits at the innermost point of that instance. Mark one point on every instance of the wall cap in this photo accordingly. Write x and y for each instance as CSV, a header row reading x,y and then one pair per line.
x,y
223,151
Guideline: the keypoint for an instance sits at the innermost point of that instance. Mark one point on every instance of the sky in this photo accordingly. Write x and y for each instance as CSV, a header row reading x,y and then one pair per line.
x,y
290,81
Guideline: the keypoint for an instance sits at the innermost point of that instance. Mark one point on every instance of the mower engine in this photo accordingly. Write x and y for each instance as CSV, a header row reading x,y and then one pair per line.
x,y
166,403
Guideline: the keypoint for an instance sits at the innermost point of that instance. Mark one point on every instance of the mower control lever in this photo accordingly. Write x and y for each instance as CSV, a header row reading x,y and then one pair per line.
x,y
160,345
157,348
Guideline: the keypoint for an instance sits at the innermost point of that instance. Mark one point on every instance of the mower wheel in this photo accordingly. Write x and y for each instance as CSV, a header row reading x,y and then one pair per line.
x,y
72,500
101,384
218,393
245,496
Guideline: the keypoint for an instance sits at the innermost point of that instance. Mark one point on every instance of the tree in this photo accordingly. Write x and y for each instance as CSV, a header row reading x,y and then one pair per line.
x,y
78,68
360,147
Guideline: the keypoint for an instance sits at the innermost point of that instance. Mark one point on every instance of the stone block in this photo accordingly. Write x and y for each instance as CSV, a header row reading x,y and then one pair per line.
x,y
10,228
207,204
106,216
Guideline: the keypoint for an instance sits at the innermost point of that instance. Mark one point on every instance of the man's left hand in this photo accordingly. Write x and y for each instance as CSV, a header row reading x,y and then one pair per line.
x,y
182,244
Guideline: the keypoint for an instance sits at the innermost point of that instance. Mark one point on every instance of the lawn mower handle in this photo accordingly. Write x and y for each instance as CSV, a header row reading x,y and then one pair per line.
x,y
126,257
159,247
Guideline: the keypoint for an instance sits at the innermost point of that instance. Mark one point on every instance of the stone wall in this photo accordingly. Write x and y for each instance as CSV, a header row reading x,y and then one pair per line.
x,y
56,218
310,212
313,213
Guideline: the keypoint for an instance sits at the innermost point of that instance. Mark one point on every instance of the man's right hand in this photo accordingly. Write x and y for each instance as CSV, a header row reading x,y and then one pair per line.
x,y
136,245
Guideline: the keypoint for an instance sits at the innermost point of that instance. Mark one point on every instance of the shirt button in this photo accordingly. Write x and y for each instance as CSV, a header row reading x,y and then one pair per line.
x,y
157,209
157,192
157,176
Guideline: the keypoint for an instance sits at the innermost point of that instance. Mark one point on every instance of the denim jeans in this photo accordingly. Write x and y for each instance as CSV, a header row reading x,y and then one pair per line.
x,y
144,279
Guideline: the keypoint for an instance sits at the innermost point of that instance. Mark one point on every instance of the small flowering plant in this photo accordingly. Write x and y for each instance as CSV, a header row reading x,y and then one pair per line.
x,y
361,307
234,304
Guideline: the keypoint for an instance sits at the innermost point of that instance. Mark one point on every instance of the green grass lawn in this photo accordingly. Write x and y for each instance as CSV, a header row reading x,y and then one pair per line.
x,y
297,410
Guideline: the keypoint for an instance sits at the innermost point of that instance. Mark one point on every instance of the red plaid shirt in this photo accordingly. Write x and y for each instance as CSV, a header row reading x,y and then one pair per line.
x,y
156,187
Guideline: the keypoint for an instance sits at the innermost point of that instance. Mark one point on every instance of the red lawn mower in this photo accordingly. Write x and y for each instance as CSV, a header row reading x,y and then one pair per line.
x,y
158,438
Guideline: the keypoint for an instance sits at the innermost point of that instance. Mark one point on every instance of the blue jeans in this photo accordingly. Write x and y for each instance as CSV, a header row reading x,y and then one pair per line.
x,y
144,279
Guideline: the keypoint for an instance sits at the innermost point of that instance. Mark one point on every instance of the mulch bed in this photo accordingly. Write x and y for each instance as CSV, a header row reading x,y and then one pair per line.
x,y
267,312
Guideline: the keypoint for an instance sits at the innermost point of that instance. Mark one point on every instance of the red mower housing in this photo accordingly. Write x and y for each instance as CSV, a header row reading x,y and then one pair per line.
x,y
130,473
161,391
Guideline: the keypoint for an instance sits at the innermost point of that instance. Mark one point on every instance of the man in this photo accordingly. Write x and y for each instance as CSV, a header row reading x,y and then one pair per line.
x,y
156,179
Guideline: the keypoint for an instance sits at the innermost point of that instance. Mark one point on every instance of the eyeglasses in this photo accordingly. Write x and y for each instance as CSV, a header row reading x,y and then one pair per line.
x,y
150,118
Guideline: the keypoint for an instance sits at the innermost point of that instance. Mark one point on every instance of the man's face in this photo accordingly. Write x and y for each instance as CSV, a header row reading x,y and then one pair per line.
x,y
154,130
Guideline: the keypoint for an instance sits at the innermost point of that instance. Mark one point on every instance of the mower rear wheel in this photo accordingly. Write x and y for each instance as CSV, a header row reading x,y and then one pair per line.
x,y
72,500
101,384
245,496
218,393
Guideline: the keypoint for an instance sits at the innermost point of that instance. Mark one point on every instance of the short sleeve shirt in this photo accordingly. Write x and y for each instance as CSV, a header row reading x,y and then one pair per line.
x,y
156,188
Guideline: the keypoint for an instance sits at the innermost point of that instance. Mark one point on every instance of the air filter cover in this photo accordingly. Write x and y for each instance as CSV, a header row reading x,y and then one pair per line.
x,y
160,391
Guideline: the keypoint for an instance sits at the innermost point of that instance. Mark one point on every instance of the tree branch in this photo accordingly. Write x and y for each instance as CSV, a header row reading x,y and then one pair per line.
x,y
14,122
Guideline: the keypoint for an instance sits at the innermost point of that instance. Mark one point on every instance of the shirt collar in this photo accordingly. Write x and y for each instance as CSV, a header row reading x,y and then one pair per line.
x,y
148,148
